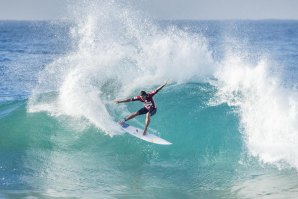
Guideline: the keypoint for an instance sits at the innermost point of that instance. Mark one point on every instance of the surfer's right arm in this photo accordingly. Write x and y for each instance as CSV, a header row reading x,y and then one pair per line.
x,y
122,101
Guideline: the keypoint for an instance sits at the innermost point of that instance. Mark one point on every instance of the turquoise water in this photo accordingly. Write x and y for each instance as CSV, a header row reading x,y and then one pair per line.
x,y
86,162
230,108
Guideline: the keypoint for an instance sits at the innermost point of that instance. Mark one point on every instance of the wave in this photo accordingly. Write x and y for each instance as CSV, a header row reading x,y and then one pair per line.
x,y
118,54
267,109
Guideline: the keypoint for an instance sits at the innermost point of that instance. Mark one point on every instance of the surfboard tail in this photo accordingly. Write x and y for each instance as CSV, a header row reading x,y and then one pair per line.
x,y
136,132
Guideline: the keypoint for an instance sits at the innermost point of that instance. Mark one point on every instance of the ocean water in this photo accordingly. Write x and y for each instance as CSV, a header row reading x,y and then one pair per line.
x,y
230,107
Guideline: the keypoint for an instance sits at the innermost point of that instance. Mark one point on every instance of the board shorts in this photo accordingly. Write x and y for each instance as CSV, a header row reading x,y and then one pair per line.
x,y
143,111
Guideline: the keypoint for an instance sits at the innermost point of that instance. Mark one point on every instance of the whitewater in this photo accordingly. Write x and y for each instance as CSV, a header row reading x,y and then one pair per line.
x,y
230,107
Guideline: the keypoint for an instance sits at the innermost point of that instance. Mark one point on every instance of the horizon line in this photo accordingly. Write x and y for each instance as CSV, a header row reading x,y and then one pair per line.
x,y
232,19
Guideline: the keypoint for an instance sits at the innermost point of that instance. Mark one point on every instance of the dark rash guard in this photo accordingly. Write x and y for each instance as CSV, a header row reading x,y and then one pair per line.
x,y
149,102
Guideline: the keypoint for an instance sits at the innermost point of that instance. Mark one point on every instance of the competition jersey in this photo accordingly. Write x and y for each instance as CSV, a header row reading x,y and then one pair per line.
x,y
149,102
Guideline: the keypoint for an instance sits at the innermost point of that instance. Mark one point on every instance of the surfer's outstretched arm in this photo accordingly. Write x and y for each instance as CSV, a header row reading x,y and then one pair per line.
x,y
122,101
159,88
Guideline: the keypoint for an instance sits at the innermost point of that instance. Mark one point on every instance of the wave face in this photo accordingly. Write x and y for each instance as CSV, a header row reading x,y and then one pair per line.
x,y
116,55
230,108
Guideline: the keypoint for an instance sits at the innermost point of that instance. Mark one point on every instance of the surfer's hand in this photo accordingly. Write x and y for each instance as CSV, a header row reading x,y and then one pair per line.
x,y
117,101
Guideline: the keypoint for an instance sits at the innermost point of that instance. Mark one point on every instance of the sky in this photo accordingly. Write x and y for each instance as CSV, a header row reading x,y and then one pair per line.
x,y
162,9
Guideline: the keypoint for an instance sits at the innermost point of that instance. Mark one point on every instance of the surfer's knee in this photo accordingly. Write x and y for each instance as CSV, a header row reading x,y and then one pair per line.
x,y
148,117
136,113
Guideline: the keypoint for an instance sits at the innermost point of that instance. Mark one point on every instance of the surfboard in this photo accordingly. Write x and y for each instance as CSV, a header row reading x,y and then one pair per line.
x,y
134,131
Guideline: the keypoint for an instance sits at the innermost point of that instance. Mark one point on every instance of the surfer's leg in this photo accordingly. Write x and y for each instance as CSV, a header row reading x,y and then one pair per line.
x,y
147,123
152,111
131,116
139,112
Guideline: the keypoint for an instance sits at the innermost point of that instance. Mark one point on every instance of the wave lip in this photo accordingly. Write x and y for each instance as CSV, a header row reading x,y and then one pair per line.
x,y
267,110
117,55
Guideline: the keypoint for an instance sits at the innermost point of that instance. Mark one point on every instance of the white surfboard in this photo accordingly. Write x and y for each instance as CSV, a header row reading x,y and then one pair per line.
x,y
139,134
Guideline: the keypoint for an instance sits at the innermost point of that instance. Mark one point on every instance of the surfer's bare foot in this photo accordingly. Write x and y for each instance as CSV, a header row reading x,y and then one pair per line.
x,y
144,133
121,122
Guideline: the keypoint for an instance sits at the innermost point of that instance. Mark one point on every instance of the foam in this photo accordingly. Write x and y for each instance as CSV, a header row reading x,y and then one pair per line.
x,y
267,110
118,52
116,55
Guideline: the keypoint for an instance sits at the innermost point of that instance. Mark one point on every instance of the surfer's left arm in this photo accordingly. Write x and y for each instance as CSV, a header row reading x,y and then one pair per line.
x,y
159,88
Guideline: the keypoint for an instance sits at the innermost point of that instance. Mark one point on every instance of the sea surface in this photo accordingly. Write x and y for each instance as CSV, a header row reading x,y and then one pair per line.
x,y
230,107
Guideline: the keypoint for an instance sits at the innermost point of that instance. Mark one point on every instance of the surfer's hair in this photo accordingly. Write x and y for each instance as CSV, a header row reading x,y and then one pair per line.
x,y
143,93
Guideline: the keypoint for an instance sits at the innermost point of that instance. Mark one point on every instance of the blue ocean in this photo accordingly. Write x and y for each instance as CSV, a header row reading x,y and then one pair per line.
x,y
230,107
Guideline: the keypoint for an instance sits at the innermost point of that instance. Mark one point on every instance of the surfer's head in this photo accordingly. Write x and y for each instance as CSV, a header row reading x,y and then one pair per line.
x,y
143,94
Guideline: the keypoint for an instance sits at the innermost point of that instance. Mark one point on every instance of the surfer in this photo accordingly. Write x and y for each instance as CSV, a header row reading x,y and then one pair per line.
x,y
149,106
